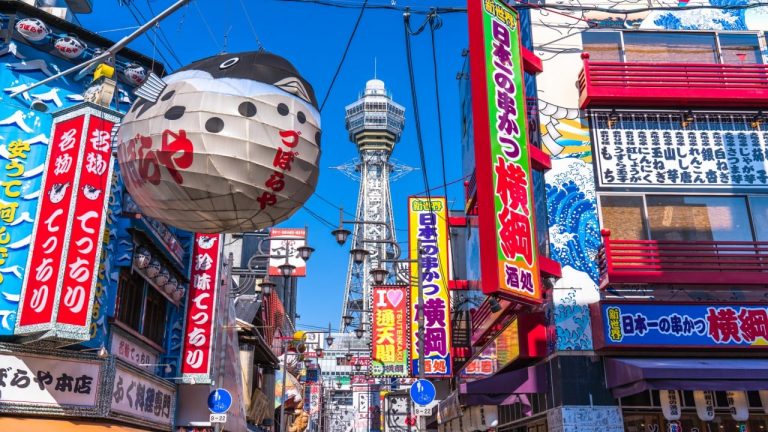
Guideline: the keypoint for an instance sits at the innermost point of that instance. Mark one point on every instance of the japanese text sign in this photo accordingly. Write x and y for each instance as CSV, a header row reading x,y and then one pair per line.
x,y
390,331
201,305
654,149
684,325
24,161
50,381
286,241
66,245
141,397
428,225
135,353
509,262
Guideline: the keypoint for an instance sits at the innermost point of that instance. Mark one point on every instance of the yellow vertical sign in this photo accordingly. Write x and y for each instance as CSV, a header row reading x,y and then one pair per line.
x,y
428,224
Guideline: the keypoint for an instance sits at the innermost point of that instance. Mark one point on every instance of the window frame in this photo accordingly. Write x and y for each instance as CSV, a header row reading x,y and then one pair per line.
x,y
716,33
127,273
746,196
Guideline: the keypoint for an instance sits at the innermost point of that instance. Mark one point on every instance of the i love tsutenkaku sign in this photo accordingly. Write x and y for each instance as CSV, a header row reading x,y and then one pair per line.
x,y
389,342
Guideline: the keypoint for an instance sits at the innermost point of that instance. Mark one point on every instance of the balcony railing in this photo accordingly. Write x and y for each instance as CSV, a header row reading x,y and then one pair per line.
x,y
614,84
682,262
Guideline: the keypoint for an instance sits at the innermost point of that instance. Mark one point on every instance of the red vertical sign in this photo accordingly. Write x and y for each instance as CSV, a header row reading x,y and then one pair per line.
x,y
201,306
61,273
87,224
53,215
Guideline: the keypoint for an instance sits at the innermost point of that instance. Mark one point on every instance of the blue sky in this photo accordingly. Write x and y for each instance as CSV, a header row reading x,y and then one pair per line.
x,y
313,38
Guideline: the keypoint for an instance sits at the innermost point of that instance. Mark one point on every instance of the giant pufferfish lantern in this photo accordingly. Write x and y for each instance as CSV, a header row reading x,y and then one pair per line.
x,y
230,143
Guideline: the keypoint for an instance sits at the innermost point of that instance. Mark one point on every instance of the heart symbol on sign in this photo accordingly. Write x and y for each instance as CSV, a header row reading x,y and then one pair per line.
x,y
395,297
410,420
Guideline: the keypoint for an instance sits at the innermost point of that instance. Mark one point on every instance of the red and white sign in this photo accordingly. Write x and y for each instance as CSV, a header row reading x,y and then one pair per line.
x,y
88,221
54,213
201,306
290,239
66,244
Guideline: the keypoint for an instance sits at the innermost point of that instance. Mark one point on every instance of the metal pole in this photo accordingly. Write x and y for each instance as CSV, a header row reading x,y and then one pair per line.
x,y
285,378
421,309
109,52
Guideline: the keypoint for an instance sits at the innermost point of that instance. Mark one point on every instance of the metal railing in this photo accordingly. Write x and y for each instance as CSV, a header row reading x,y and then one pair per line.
x,y
682,262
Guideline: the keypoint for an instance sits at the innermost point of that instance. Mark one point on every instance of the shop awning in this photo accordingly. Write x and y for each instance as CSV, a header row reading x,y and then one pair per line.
x,y
628,376
504,388
62,425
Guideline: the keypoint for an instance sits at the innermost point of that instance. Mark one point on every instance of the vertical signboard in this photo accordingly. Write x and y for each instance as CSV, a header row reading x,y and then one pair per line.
x,y
505,186
286,241
389,344
201,306
428,225
66,242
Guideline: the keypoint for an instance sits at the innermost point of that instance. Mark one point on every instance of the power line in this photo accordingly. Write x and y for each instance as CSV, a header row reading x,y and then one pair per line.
x,y
434,24
207,26
138,21
250,24
163,38
344,56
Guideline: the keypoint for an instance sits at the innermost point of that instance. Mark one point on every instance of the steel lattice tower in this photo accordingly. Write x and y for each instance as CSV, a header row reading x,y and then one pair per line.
x,y
375,123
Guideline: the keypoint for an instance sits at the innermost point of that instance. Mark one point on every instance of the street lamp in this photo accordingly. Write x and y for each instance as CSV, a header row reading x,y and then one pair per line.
x,y
267,286
329,338
305,252
359,254
341,235
319,352
358,366
348,356
379,275
287,269
359,332
348,319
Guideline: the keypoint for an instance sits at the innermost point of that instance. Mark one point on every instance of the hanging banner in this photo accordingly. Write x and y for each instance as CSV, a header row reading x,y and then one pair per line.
x,y
738,404
428,224
286,241
508,255
705,404
201,308
66,244
389,337
670,404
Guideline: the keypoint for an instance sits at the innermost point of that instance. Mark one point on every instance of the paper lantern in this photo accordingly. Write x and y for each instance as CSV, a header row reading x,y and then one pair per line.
x,y
179,293
171,285
230,143
135,74
141,258
162,277
153,268
70,47
32,29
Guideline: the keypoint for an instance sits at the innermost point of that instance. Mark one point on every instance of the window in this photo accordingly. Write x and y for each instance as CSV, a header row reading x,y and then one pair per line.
x,y
141,307
623,215
698,218
759,208
740,49
685,218
130,299
602,45
670,47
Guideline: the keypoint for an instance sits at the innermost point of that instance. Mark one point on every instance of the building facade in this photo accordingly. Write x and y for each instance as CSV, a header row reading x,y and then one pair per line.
x,y
655,190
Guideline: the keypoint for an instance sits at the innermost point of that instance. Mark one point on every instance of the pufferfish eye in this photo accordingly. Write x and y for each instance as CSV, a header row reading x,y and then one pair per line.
x,y
229,63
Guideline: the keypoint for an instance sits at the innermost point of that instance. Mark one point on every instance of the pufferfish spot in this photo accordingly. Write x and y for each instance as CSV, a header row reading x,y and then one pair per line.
x,y
168,95
301,117
247,109
175,112
282,109
317,138
214,125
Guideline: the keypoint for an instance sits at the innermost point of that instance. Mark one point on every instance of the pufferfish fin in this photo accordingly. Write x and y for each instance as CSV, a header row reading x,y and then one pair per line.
x,y
151,89
294,86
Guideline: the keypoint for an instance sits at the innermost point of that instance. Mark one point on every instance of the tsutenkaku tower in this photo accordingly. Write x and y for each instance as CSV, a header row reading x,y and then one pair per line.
x,y
375,123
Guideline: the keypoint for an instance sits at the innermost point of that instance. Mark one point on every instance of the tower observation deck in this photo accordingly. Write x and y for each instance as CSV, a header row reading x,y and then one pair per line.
x,y
375,123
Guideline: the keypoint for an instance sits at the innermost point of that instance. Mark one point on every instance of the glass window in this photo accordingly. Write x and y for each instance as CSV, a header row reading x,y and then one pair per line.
x,y
759,207
740,49
130,299
670,47
698,218
623,215
154,317
602,45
